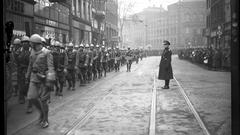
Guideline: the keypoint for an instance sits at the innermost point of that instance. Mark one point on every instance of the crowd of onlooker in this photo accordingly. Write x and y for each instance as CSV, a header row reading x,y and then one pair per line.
x,y
214,58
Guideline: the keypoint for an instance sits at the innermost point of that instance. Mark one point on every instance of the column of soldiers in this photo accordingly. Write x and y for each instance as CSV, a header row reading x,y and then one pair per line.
x,y
214,58
40,67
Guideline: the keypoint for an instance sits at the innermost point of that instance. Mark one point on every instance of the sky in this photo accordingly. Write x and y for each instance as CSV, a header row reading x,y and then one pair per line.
x,y
141,4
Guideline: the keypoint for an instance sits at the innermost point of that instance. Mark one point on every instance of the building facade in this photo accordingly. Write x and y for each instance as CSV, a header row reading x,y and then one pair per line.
x,y
218,23
99,15
20,12
81,18
51,19
111,24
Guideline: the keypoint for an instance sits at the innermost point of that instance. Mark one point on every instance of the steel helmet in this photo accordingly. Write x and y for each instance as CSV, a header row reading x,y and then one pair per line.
x,y
103,46
91,45
81,45
77,46
25,39
70,45
87,45
17,41
117,47
43,40
61,45
57,44
35,38
97,46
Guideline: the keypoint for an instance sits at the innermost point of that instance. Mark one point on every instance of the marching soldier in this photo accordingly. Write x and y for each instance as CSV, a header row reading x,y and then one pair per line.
x,y
71,67
95,56
23,62
98,59
41,74
165,67
129,55
81,64
90,63
104,60
117,59
60,61
16,47
109,59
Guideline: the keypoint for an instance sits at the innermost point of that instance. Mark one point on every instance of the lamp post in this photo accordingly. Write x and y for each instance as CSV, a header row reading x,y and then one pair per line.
x,y
219,33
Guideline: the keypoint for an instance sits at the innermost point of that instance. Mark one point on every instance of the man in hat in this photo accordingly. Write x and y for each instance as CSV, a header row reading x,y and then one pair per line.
x,y
71,66
23,62
165,67
41,74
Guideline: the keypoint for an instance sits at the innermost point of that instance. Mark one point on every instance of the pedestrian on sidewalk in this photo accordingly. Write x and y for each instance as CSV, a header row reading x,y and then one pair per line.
x,y
165,67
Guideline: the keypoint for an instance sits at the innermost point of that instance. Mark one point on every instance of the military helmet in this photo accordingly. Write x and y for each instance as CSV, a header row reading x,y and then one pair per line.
x,y
43,40
97,46
91,45
77,46
57,44
87,45
103,46
17,41
70,45
117,47
25,39
35,38
81,45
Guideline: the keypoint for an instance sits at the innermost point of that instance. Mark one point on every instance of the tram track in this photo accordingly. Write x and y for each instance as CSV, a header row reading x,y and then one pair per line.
x,y
180,89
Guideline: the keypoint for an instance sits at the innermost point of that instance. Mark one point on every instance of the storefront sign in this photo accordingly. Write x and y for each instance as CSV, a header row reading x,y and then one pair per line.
x,y
20,7
51,23
81,26
19,32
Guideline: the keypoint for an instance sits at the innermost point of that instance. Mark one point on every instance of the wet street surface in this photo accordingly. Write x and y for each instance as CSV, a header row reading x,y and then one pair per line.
x,y
120,104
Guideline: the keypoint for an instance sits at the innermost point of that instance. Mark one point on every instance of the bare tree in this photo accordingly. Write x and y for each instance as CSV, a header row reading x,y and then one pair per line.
x,y
124,9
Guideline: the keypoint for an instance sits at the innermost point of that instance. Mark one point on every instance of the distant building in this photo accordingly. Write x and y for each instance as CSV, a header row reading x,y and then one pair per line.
x,y
182,24
111,23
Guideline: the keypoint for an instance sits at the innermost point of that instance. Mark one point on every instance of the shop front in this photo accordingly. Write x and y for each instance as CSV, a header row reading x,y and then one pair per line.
x,y
52,30
20,12
81,33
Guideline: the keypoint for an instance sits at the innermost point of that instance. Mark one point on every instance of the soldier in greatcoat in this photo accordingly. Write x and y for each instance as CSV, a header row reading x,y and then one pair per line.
x,y
71,67
165,67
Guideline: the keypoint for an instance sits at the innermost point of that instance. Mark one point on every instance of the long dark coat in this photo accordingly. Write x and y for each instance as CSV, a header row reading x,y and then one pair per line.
x,y
165,67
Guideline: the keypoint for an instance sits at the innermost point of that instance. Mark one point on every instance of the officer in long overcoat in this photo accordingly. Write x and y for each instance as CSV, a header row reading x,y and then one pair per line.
x,y
165,67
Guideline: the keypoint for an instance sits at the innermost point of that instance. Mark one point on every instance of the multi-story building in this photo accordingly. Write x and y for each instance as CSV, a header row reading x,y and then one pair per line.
x,y
81,21
20,12
99,15
186,21
111,23
218,23
181,24
51,19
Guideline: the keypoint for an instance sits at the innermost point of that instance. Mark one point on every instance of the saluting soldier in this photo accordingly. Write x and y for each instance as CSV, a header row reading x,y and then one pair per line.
x,y
41,74
165,67
23,62
71,67
81,64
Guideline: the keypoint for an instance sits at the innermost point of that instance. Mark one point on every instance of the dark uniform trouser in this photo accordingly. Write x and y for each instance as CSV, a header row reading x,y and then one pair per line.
x,y
117,65
105,67
83,74
129,65
89,72
60,81
98,68
71,78
94,70
39,94
23,85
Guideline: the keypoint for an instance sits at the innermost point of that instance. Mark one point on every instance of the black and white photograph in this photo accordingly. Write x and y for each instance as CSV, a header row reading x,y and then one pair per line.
x,y
121,67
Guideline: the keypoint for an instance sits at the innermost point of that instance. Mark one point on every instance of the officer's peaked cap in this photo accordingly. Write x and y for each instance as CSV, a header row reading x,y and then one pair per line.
x,y
165,42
